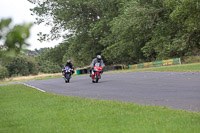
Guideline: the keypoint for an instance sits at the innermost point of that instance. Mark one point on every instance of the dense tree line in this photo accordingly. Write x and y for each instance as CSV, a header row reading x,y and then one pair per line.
x,y
51,59
123,31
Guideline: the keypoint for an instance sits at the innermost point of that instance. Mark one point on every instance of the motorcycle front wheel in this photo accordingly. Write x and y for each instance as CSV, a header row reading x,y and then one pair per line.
x,y
66,80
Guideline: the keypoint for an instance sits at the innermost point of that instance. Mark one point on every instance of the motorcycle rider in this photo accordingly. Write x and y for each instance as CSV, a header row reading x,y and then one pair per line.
x,y
70,65
99,60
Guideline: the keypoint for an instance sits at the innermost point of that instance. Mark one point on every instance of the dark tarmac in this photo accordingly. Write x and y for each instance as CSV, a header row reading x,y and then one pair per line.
x,y
176,90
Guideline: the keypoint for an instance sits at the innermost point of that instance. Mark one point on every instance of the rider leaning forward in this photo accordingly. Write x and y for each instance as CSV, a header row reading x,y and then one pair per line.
x,y
70,65
99,60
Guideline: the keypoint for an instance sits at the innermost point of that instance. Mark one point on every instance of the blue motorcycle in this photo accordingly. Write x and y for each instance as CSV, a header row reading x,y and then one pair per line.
x,y
67,72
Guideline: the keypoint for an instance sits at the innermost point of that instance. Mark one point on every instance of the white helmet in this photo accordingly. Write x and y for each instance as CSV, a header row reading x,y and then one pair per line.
x,y
68,61
98,58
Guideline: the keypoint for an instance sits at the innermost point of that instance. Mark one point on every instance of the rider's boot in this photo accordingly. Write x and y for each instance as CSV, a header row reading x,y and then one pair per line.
x,y
63,75
90,74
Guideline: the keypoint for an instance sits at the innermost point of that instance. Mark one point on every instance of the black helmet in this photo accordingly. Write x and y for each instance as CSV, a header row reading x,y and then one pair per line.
x,y
98,58
68,61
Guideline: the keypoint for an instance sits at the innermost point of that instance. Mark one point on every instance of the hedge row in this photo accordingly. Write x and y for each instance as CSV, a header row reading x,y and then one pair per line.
x,y
19,65
3,72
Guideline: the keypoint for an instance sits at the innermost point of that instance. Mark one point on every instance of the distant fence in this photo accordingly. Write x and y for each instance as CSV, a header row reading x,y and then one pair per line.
x,y
135,66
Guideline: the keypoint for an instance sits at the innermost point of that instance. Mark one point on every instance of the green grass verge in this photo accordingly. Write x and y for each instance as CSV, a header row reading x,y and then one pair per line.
x,y
31,79
195,67
26,110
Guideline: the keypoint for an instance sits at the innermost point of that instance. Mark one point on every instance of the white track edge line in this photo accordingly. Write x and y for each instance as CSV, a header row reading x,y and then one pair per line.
x,y
33,87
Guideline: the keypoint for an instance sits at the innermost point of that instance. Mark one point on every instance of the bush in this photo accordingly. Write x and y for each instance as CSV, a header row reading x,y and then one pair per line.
x,y
49,67
33,66
3,72
190,59
18,66
22,65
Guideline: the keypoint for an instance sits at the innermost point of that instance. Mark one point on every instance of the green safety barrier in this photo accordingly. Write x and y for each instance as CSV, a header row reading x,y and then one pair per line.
x,y
78,72
176,61
157,63
135,66
130,66
141,65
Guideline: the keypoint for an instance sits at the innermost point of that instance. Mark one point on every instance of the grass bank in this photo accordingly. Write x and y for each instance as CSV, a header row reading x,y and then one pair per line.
x,y
195,67
40,76
26,110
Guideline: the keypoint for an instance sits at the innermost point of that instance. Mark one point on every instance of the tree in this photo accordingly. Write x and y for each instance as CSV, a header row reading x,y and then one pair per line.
x,y
177,32
123,31
21,65
14,39
131,30
147,30
185,14
86,21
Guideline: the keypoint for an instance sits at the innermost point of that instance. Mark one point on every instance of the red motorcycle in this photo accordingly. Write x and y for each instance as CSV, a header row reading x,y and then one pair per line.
x,y
96,73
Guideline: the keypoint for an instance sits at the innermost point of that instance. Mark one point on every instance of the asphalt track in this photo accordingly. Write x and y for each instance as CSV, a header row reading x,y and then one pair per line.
x,y
176,90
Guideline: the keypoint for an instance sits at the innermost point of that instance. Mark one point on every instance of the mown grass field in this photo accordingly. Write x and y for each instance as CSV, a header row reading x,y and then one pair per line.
x,y
26,110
